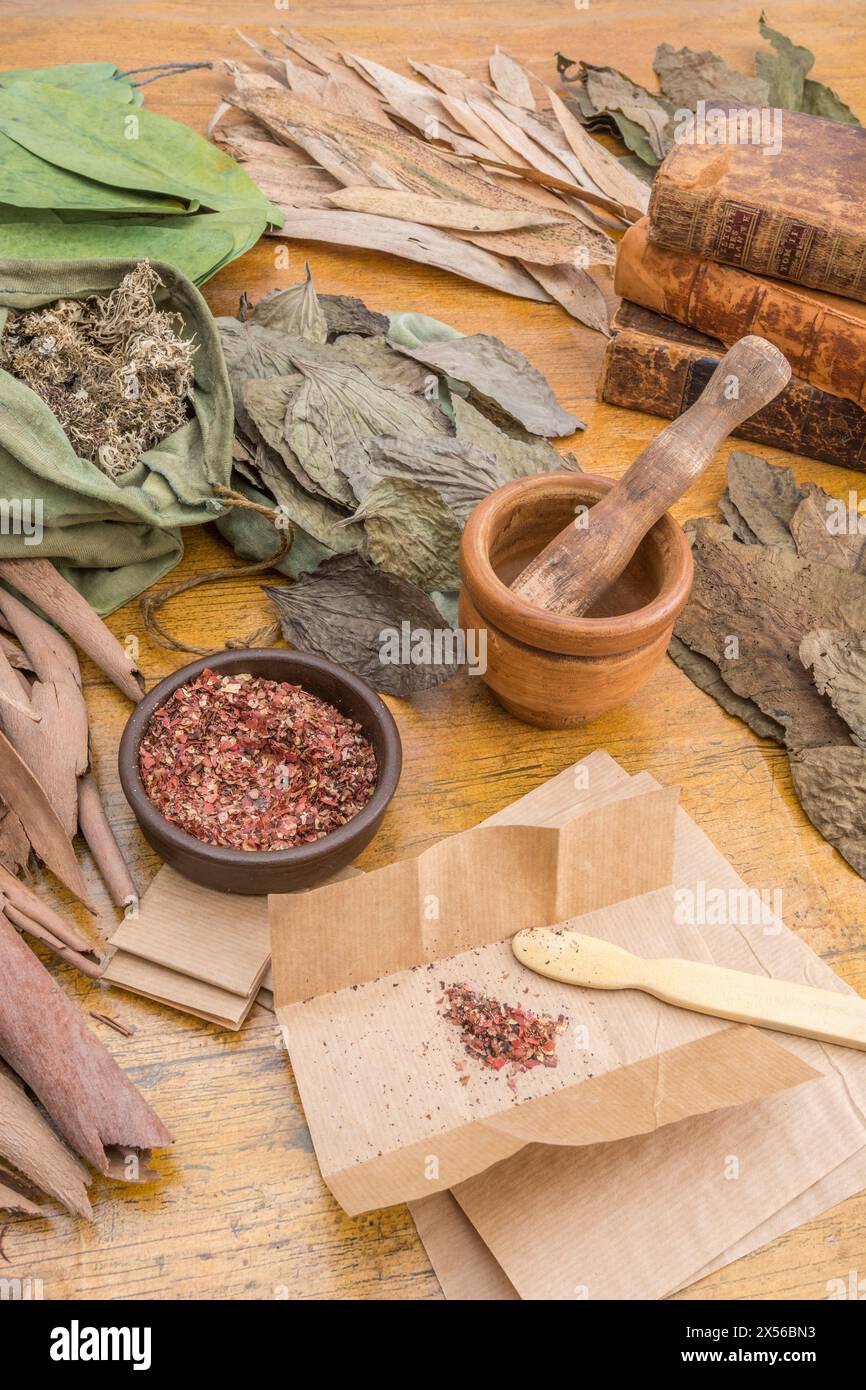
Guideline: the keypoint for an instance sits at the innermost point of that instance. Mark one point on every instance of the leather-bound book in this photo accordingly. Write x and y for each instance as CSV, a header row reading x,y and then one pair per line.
x,y
822,336
658,366
791,205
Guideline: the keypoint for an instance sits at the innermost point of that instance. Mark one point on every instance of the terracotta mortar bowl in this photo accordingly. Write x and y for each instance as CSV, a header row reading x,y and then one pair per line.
x,y
547,669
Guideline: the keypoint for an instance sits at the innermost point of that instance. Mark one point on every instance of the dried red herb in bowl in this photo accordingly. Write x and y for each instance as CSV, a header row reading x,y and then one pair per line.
x,y
254,764
325,726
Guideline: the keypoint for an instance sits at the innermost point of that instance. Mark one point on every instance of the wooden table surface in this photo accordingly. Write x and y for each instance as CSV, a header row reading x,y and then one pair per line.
x,y
241,1211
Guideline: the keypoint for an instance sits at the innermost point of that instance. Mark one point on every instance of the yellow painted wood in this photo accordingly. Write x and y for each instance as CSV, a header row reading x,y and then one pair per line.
x,y
241,1211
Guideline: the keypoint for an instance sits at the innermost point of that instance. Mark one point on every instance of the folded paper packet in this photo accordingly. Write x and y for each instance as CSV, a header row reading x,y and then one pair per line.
x,y
203,952
376,1062
552,1224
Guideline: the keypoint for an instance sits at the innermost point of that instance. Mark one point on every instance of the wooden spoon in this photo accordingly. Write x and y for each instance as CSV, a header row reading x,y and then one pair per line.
x,y
583,560
706,989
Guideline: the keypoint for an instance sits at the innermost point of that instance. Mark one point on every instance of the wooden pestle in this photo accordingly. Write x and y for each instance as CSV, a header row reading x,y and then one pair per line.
x,y
592,551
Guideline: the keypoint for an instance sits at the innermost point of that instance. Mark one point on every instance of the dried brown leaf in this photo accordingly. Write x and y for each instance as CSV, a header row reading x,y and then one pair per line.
x,y
346,610
460,473
838,666
438,212
831,785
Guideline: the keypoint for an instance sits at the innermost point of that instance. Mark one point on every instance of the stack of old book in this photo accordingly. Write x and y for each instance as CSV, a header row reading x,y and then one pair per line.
x,y
762,238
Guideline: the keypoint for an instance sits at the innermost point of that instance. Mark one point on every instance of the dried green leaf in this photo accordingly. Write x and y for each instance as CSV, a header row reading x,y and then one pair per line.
x,y
785,72
411,532
687,77
340,404
251,535
351,613
294,310
460,473
266,405
319,518
376,357
502,376
517,453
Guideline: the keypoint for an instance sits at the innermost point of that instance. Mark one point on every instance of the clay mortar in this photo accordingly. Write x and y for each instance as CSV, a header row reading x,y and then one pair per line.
x,y
552,670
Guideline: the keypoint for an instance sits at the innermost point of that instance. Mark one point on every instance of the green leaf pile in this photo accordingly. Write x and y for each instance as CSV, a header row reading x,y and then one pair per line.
x,y
358,429
86,172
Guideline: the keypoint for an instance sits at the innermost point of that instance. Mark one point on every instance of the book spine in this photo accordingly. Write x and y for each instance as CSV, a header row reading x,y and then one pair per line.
x,y
824,346
765,241
664,378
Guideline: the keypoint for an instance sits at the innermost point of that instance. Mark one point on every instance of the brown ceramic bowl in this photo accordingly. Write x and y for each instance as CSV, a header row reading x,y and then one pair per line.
x,y
547,669
272,871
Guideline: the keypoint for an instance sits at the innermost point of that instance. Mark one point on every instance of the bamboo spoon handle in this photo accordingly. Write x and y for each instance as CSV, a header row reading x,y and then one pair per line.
x,y
705,989
584,559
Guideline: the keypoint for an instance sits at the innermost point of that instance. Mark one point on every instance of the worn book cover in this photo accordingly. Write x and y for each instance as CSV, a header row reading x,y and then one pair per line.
x,y
661,367
822,335
793,208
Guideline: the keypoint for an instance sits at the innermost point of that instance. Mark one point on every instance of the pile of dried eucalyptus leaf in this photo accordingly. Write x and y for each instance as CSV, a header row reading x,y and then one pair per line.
x,y
605,100
375,438
775,630
497,182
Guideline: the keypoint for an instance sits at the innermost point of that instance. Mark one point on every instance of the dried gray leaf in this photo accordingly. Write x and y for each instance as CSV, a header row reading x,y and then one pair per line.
x,y
831,785
294,310
364,619
765,495
320,518
411,532
707,677
838,666
266,404
822,531
687,77
340,404
346,314
460,473
375,356
502,376
738,525
518,454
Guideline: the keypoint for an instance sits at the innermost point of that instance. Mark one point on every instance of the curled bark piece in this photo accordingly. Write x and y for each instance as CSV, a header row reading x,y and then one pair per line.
x,y
22,923
26,796
12,1198
46,587
56,747
21,897
29,1143
94,826
46,1041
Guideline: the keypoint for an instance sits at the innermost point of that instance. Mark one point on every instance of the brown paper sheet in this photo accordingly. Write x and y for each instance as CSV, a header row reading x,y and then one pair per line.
x,y
734,1180
384,1132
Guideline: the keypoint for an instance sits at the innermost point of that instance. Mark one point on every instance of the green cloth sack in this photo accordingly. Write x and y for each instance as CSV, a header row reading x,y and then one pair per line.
x,y
111,537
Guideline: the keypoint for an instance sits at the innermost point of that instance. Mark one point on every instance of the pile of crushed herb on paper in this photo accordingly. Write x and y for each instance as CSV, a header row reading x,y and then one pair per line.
x,y
499,1035
114,369
254,764
375,436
